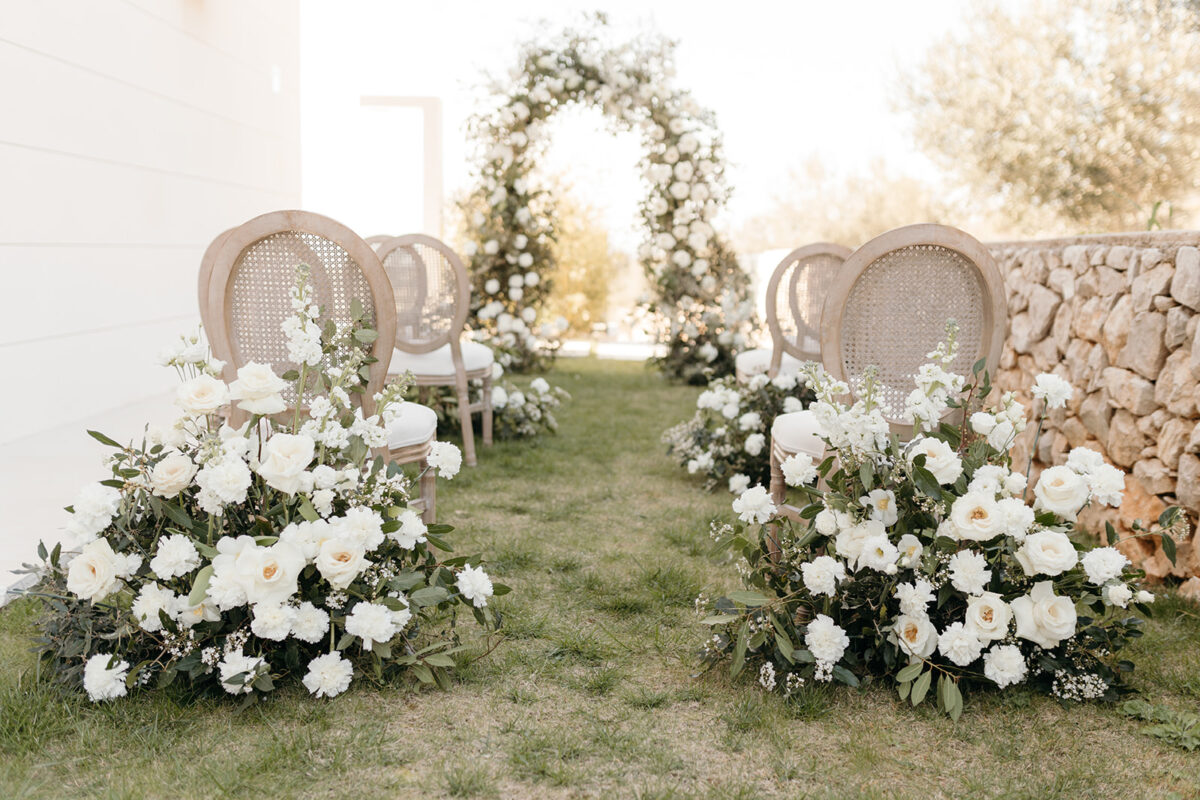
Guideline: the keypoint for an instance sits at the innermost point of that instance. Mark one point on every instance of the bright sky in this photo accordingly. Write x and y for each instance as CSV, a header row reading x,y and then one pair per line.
x,y
788,81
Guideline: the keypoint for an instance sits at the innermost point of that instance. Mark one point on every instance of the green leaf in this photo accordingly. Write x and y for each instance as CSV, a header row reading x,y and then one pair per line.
x,y
429,596
926,482
903,689
423,673
739,649
784,645
952,700
405,581
200,586
307,511
1168,546
440,660
102,439
911,671
845,676
365,335
921,687
205,550
748,598
1111,534
718,619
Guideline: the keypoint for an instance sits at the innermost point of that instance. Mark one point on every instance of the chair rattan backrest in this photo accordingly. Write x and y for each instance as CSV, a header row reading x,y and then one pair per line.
x,y
889,305
377,240
795,296
254,269
431,290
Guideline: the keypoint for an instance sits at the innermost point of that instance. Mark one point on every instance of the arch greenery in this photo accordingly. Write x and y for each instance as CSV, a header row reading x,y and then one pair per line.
x,y
697,305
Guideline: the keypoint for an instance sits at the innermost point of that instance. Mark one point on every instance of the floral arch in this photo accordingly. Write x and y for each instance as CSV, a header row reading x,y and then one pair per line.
x,y
698,304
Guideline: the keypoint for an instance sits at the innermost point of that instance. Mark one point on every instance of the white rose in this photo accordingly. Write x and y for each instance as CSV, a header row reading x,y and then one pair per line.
x,y
940,459
988,616
286,457
1044,617
95,573
172,475
340,561
1062,491
1047,553
976,517
258,388
826,522
911,550
269,574
982,423
915,635
201,395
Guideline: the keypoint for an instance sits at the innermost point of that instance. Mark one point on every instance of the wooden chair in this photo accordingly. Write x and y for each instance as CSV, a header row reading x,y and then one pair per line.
x,y
377,241
433,296
795,295
888,308
251,269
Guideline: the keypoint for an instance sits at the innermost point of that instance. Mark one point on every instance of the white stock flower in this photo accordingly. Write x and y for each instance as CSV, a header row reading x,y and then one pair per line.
x,y
821,575
340,561
755,443
977,517
412,529
988,479
202,395
1052,389
475,585
1103,564
94,509
172,475
1118,594
739,483
754,505
792,404
914,597
1046,553
258,389
445,458
940,459
97,571
988,616
1062,491
284,466
238,672
826,640
102,682
1044,617
499,397
328,675
372,623
750,421
1004,665
272,621
959,644
916,635
1144,597
968,572
491,286
150,600
798,469
539,386
175,556
881,503
309,623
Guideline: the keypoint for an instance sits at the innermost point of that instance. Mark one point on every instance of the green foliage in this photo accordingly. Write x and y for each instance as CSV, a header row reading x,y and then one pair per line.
x,y
1177,728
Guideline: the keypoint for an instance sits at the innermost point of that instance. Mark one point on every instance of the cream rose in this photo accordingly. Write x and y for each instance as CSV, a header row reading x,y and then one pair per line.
x,y
203,394
270,574
96,572
286,456
258,388
940,459
988,616
916,635
1061,490
1044,617
340,561
172,475
1047,553
976,517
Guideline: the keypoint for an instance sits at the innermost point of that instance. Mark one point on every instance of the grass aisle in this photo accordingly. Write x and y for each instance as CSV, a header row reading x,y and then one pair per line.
x,y
592,694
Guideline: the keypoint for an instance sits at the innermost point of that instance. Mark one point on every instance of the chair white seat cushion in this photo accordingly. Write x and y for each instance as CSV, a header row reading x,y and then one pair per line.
x,y
798,432
413,425
439,363
753,362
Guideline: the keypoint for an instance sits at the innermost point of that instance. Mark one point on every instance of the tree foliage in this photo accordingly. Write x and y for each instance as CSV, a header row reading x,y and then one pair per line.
x,y
1084,110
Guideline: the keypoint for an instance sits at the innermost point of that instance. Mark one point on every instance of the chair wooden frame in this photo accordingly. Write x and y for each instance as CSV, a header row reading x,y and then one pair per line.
x,y
462,377
780,344
992,330
217,271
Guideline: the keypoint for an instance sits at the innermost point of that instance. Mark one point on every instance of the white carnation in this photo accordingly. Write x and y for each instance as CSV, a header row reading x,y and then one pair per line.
x,y
328,675
1052,389
1004,665
959,644
272,621
412,529
102,682
968,572
238,672
825,640
914,598
822,574
372,623
1103,564
754,505
798,469
475,585
445,458
176,556
309,623
150,600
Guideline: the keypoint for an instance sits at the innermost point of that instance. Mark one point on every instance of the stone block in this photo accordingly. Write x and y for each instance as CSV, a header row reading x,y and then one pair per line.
x,y
1177,327
1145,350
1173,440
1185,287
1130,391
1150,284
1119,257
1125,441
1043,304
1176,386
1187,485
1076,257
1154,476
1109,281
1096,413
1114,328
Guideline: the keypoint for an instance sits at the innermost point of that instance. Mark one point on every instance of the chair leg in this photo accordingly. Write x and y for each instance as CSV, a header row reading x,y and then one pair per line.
x,y
428,493
464,417
487,410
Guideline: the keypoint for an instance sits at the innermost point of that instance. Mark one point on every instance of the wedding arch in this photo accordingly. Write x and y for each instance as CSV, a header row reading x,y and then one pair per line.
x,y
698,303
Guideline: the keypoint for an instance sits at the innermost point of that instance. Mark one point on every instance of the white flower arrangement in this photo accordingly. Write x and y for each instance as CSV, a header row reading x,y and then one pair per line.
x,y
516,413
921,562
512,219
229,559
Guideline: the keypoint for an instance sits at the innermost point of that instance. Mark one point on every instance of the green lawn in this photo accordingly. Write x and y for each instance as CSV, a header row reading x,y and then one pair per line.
x,y
594,691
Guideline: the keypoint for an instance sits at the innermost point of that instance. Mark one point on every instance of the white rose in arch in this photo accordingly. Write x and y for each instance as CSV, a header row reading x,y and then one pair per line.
x,y
680,190
286,457
202,395
988,616
492,286
915,635
525,260
531,278
977,517
1062,491
940,459
1044,617
1047,553
340,561
96,572
172,475
258,389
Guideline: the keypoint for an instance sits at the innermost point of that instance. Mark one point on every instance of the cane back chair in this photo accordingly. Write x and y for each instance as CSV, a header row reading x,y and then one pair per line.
x,y
795,294
888,308
252,269
433,296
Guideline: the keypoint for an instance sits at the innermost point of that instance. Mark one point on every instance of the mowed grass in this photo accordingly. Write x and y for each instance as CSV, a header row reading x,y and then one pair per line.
x,y
594,691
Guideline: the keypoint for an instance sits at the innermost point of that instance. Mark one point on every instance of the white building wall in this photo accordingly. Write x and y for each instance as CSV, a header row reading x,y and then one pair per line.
x,y
132,132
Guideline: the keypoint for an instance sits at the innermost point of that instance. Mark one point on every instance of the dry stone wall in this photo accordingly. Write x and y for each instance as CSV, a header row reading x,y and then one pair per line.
x,y
1117,316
